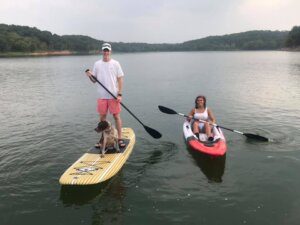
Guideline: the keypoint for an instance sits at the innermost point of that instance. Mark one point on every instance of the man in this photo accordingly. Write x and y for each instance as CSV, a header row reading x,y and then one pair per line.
x,y
109,72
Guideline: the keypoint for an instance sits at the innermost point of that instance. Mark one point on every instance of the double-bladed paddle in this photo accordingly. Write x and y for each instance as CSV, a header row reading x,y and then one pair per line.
x,y
154,133
248,135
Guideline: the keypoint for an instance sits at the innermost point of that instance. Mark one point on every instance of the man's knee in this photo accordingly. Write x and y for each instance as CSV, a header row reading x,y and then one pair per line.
x,y
117,116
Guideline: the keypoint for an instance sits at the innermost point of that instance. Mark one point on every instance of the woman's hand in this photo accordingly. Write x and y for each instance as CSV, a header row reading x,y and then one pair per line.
x,y
189,118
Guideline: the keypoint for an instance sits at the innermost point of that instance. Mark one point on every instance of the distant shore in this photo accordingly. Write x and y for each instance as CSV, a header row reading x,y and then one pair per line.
x,y
296,49
67,52
46,53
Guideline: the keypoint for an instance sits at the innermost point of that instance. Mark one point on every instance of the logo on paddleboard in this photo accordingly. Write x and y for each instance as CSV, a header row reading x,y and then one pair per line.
x,y
85,170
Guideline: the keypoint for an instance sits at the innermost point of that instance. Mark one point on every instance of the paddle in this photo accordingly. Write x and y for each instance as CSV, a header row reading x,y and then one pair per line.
x,y
248,135
154,133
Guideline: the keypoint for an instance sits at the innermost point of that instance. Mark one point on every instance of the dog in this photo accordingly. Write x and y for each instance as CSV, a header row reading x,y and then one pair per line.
x,y
108,137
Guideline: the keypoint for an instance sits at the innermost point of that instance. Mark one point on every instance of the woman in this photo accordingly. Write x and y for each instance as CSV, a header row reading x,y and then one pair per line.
x,y
201,112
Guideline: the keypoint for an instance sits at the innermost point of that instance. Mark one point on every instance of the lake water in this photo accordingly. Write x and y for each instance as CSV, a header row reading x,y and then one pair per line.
x,y
48,115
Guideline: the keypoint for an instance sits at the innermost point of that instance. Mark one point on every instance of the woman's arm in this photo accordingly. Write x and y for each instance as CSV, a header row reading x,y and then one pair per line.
x,y
191,115
211,116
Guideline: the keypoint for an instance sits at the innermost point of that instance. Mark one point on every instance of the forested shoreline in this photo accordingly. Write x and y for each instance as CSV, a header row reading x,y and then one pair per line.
x,y
23,40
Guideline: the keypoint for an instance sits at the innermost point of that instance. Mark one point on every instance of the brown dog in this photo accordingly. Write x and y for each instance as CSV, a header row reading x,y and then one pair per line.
x,y
108,137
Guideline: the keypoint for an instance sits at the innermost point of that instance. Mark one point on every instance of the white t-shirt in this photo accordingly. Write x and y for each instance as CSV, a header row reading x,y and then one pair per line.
x,y
107,74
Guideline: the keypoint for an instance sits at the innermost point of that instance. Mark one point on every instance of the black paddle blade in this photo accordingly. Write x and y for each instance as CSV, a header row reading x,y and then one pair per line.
x,y
256,137
166,110
154,133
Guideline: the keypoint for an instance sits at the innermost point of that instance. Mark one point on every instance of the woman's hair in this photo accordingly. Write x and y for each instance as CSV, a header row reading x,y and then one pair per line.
x,y
204,99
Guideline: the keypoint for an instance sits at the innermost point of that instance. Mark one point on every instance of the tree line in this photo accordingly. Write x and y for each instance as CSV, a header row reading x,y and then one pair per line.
x,y
293,39
27,39
15,38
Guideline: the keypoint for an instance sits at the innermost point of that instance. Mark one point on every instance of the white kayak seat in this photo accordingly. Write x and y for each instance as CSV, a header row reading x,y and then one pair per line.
x,y
203,137
216,133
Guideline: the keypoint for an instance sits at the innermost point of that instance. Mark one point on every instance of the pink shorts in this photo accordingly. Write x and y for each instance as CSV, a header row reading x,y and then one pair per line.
x,y
112,105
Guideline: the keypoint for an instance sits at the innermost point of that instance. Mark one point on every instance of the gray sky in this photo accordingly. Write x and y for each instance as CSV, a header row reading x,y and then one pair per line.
x,y
151,21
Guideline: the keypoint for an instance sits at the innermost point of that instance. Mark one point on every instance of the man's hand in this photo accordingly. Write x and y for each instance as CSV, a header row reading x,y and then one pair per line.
x,y
90,75
119,98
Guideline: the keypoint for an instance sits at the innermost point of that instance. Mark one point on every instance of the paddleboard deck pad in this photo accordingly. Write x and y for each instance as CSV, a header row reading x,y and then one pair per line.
x,y
91,168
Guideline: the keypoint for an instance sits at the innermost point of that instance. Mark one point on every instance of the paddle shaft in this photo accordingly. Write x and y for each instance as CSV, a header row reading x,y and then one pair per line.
x,y
154,133
128,110
248,135
215,125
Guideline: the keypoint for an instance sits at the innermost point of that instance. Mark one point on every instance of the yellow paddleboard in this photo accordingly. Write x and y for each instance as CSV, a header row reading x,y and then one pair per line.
x,y
92,169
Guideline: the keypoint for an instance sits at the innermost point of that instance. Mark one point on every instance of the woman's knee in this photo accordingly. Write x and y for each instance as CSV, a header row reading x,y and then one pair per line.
x,y
196,126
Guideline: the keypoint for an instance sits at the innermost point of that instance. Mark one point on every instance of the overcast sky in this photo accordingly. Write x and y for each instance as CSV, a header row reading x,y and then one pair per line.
x,y
151,21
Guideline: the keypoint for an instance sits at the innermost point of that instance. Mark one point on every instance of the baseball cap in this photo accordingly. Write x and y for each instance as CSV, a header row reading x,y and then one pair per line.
x,y
106,46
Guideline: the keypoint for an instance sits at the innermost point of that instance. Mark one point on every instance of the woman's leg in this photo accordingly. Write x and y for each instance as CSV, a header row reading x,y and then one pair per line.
x,y
196,127
208,130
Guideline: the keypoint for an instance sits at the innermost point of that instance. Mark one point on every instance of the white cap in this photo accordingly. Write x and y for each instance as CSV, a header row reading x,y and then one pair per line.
x,y
106,46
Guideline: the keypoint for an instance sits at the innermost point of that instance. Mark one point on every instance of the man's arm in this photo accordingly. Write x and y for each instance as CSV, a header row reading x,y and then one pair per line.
x,y
120,87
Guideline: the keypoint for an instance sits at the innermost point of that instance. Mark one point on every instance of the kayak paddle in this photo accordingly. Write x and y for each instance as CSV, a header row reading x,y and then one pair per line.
x,y
154,133
248,135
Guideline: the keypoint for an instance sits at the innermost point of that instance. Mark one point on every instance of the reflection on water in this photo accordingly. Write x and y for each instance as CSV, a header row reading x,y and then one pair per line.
x,y
147,154
106,199
80,195
212,167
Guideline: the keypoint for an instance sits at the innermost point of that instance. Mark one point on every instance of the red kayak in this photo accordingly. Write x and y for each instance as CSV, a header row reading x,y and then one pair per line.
x,y
216,147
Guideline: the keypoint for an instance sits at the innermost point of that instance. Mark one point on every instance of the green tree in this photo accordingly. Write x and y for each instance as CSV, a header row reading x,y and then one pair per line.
x,y
293,39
